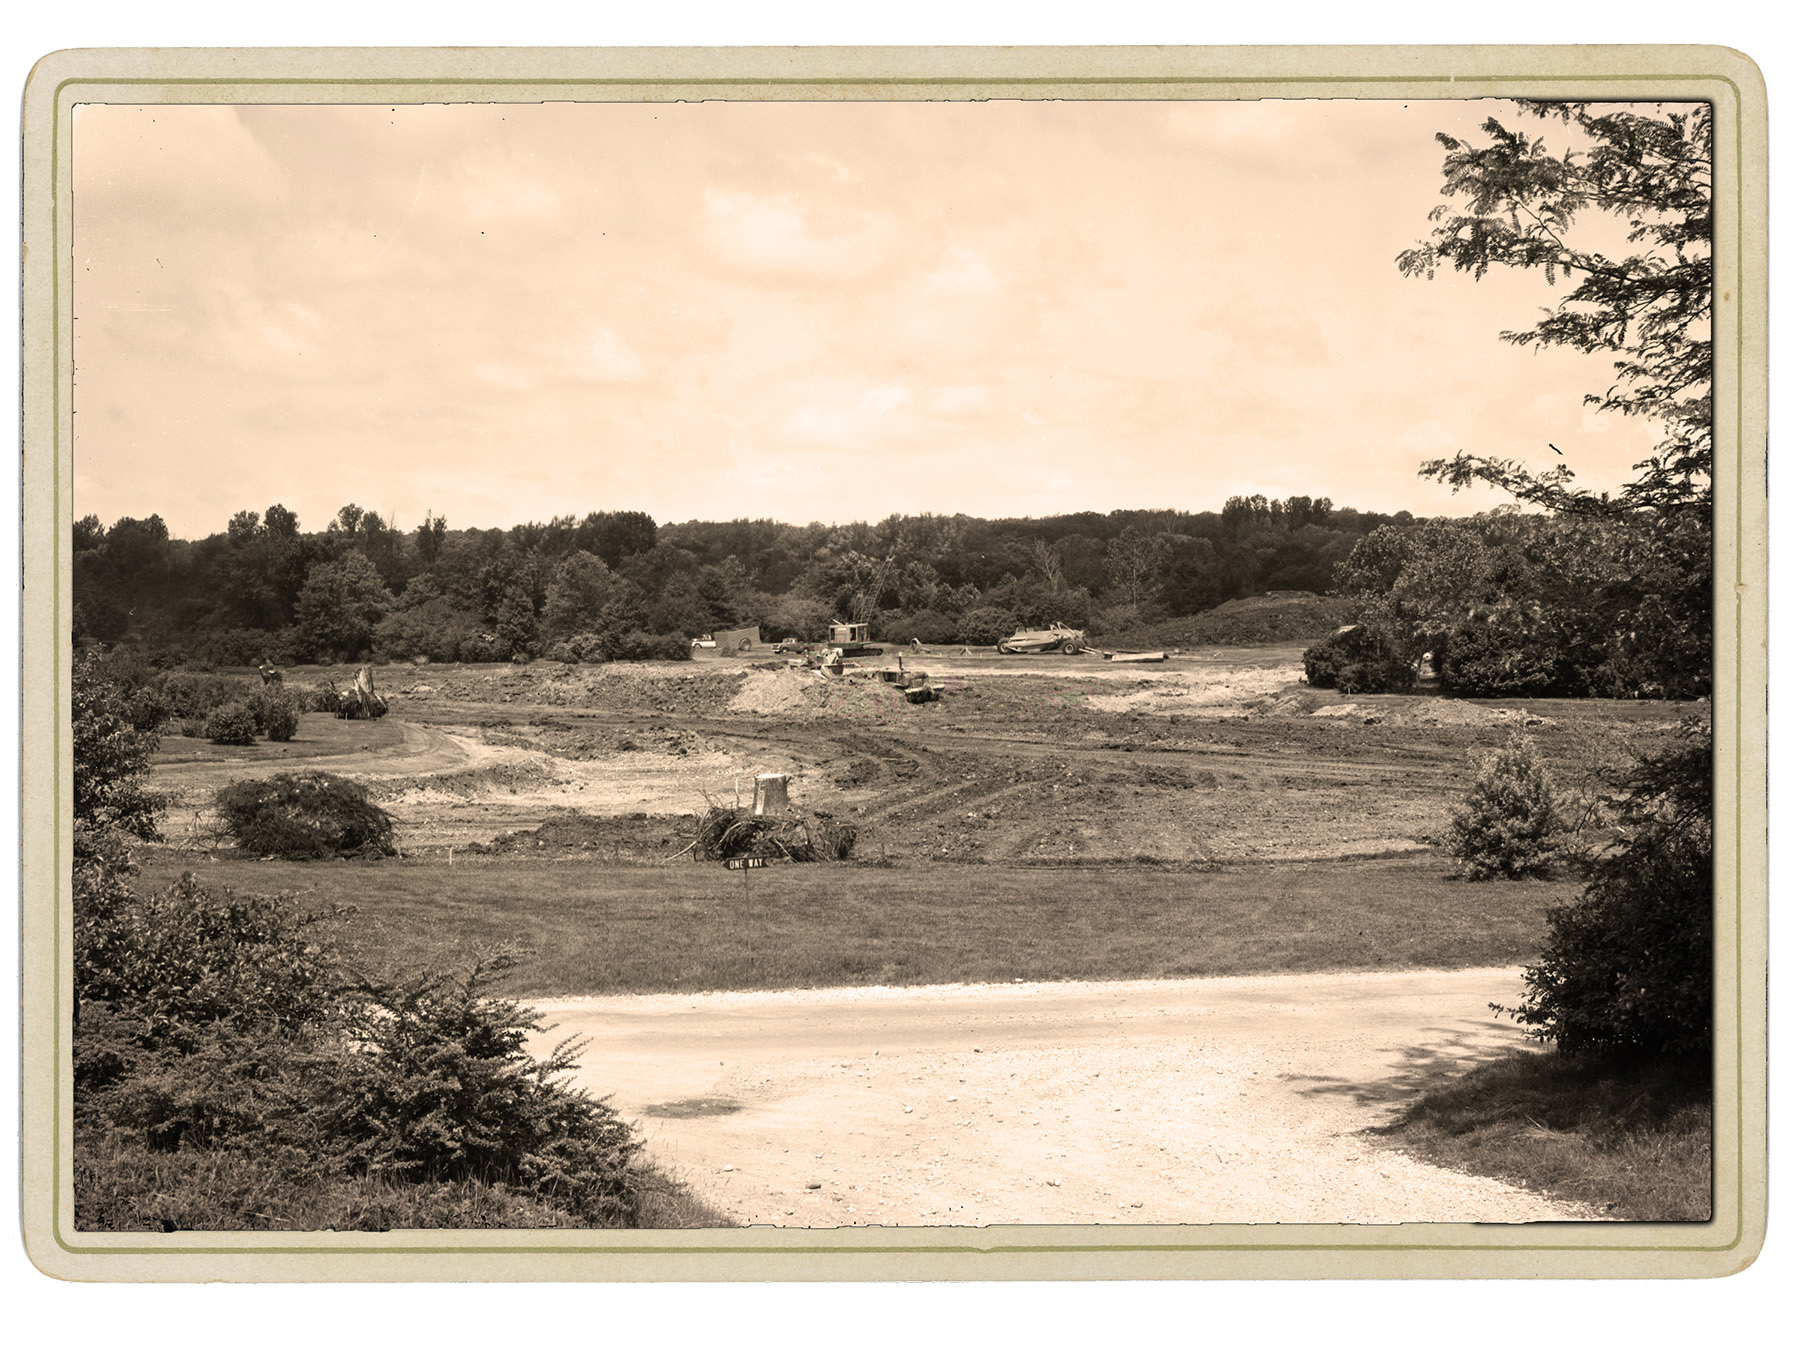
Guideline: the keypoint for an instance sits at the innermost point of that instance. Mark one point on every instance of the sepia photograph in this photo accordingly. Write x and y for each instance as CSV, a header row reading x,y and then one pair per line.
x,y
857,666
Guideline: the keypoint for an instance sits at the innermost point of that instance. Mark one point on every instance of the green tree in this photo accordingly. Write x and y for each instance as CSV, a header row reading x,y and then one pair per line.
x,y
110,759
1517,205
1136,559
340,606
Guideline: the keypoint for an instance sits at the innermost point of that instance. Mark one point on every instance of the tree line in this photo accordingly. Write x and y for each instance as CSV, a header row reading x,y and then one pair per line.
x,y
616,585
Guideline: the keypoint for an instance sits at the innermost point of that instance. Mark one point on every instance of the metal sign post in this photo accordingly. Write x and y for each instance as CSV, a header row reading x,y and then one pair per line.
x,y
746,864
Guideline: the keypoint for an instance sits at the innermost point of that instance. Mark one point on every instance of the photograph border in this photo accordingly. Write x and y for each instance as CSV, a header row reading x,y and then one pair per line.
x,y
1727,79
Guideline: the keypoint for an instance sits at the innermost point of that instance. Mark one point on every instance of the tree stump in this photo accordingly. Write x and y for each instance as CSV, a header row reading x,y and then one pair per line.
x,y
771,795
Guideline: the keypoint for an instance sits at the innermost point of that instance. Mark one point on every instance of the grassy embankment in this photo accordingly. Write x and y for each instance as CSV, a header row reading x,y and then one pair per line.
x,y
1635,1143
592,927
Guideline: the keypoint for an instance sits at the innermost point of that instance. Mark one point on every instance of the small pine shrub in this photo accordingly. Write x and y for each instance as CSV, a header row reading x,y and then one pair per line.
x,y
1513,823
305,816
233,724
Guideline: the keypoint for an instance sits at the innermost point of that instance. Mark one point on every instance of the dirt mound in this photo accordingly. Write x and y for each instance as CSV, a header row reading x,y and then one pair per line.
x,y
473,783
665,688
1267,619
626,837
785,691
1440,712
589,744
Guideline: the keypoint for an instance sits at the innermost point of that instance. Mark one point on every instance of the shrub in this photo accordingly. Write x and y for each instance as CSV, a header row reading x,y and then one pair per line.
x,y
305,816
234,724
1492,656
436,1085
483,647
278,714
319,699
928,627
1513,823
190,695
1357,659
1627,969
640,644
583,648
220,1038
985,626
110,757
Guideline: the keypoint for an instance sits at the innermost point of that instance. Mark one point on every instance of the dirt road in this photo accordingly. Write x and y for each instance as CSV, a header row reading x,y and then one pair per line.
x,y
1188,1101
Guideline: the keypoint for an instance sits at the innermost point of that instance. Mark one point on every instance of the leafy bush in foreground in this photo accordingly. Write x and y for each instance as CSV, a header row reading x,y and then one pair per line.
x,y
1513,822
218,1034
305,816
1627,970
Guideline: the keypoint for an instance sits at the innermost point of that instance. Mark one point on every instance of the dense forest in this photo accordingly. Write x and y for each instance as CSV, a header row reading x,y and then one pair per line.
x,y
616,585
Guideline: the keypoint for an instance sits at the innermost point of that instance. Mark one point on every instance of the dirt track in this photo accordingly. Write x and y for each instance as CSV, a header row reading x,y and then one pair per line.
x,y
1190,1101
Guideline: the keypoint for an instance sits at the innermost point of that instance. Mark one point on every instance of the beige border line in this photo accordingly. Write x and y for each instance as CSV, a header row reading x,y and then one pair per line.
x,y
1724,77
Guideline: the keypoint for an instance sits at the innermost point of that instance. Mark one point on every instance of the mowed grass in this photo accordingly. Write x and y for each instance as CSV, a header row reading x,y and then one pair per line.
x,y
585,926
1635,1143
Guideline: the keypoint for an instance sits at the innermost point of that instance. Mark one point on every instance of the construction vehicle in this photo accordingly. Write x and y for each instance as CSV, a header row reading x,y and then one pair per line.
x,y
1058,636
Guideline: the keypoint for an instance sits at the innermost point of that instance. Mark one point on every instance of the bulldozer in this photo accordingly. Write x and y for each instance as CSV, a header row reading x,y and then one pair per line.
x,y
358,701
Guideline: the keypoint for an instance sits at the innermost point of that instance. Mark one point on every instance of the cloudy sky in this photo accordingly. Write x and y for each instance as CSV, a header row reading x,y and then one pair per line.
x,y
800,311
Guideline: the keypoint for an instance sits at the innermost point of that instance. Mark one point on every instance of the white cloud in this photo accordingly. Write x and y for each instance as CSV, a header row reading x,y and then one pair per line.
x,y
787,236
850,422
960,400
607,357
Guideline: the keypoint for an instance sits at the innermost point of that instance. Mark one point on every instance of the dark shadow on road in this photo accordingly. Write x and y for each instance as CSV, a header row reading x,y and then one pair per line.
x,y
1447,1052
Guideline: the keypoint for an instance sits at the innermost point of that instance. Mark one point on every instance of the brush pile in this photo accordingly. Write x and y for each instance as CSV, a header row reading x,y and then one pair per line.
x,y
727,833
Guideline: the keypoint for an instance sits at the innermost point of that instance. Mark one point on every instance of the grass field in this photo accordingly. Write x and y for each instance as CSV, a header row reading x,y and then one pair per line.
x,y
591,927
1637,1144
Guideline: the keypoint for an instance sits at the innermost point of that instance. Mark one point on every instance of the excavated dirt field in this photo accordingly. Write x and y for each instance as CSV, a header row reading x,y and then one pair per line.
x,y
1209,759
1106,1102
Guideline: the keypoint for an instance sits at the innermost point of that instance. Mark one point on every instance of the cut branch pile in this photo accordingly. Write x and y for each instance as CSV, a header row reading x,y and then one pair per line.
x,y
728,833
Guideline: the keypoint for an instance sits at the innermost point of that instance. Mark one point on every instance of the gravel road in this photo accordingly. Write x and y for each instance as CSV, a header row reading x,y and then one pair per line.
x,y
1235,1100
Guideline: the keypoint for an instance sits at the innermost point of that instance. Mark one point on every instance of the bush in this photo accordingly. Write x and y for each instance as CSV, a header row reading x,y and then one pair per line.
x,y
436,1085
277,714
319,699
219,1038
985,626
234,724
1493,656
305,816
583,648
640,644
483,647
1627,969
1513,823
189,695
1358,659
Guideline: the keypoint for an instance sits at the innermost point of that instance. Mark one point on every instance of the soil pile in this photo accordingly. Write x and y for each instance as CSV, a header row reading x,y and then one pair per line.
x,y
666,688
625,837
1433,712
787,691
